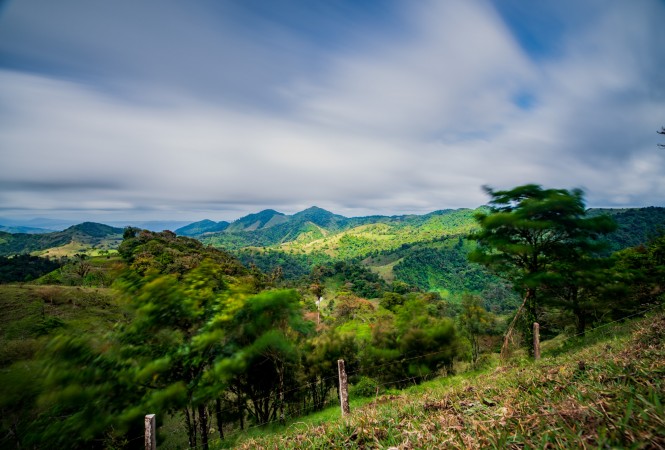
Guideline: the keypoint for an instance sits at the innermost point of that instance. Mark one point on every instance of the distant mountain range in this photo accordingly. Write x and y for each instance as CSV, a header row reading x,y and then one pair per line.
x,y
267,219
314,231
318,230
45,225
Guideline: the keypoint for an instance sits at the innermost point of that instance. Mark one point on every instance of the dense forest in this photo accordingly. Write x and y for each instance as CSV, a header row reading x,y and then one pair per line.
x,y
25,268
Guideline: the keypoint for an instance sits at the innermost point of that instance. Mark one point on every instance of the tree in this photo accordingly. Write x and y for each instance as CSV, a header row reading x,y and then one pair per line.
x,y
580,284
320,356
642,270
162,358
409,345
263,351
475,322
528,231
662,131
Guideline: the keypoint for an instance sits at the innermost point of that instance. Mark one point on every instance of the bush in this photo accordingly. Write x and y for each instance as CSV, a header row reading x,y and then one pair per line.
x,y
365,387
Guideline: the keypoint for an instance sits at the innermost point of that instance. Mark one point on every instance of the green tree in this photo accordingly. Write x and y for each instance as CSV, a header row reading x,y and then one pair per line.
x,y
475,321
529,231
641,270
582,284
264,352
321,354
163,358
409,345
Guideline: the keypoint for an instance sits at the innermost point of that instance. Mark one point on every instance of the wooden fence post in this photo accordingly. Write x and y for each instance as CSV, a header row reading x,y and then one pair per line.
x,y
150,432
536,341
343,388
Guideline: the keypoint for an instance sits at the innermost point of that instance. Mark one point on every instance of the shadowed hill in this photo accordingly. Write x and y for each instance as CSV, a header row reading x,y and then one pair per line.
x,y
259,221
202,227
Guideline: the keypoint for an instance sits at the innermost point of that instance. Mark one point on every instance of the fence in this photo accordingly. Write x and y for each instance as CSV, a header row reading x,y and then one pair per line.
x,y
342,376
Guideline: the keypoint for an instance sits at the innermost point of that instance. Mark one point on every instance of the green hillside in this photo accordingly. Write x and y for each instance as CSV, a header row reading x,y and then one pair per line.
x,y
636,225
261,220
316,232
77,239
202,227
428,251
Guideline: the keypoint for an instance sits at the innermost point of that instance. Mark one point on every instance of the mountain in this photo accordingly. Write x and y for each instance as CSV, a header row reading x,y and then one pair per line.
x,y
87,230
261,220
38,222
151,225
316,230
75,239
23,229
270,227
428,251
320,217
317,236
202,227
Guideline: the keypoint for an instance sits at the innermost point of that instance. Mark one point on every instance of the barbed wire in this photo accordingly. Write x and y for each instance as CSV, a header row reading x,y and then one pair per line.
x,y
591,330
615,321
236,432
298,412
294,412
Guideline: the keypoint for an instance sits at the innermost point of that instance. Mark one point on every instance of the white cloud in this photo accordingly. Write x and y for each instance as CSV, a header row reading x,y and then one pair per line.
x,y
410,122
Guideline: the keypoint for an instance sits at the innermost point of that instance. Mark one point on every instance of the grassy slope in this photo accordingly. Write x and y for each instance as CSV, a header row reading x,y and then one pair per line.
x,y
613,400
29,313
363,239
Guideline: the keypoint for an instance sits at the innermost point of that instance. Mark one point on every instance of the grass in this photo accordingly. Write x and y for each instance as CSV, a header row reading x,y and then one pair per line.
x,y
608,393
76,247
385,271
29,313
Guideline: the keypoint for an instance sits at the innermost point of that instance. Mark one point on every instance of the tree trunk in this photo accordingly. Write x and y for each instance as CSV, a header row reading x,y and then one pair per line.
x,y
203,425
220,423
241,412
280,372
580,314
530,316
581,323
509,332
190,424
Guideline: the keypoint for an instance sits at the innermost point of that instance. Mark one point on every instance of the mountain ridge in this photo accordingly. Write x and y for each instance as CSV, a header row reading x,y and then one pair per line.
x,y
313,226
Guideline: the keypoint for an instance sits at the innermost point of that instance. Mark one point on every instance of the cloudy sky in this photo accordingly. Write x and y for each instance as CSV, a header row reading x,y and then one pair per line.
x,y
164,109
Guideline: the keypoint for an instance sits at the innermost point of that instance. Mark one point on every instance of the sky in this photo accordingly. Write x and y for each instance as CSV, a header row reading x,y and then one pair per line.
x,y
213,109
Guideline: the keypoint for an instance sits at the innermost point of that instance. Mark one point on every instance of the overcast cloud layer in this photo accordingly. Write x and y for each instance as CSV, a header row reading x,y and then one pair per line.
x,y
190,110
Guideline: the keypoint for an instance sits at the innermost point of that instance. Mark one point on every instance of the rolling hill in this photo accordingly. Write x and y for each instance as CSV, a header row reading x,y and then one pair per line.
x,y
407,247
75,239
428,251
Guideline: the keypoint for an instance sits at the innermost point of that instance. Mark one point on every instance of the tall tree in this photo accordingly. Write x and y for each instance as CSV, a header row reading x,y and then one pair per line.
x,y
528,231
